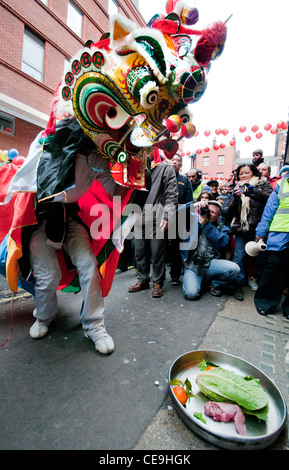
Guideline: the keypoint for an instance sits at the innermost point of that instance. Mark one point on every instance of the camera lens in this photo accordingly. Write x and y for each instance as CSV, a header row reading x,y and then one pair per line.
x,y
204,212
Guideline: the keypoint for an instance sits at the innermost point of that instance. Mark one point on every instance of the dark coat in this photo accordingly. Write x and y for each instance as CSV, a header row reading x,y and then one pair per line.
x,y
258,197
184,189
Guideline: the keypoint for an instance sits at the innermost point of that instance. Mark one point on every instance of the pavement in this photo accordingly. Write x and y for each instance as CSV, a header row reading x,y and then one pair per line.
x,y
58,393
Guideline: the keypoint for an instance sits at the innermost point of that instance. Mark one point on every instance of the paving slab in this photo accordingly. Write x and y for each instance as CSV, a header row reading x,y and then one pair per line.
x,y
240,331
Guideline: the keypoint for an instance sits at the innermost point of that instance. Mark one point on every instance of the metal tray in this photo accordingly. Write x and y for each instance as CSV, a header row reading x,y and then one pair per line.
x,y
259,434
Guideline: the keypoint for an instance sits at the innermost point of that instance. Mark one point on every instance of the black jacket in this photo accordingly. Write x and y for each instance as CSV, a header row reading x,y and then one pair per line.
x,y
184,189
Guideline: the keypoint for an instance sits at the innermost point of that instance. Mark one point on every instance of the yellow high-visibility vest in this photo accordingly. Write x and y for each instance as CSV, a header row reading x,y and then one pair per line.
x,y
280,222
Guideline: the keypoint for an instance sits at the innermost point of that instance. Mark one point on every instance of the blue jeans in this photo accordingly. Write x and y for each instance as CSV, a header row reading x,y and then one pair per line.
x,y
239,255
221,271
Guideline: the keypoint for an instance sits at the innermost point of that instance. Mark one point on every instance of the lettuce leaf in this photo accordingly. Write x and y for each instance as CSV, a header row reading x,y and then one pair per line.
x,y
224,385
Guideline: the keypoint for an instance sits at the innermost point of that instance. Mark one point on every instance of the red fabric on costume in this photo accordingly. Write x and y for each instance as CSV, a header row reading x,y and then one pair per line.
x,y
19,211
97,195
171,27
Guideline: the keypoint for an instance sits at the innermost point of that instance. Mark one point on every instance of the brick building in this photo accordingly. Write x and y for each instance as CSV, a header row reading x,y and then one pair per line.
x,y
215,164
37,37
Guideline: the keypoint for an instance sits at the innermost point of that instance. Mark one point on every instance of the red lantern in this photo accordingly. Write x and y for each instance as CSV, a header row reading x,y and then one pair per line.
x,y
199,151
216,147
280,124
222,146
188,153
218,131
274,130
232,142
247,138
225,131
255,128
259,135
284,126
196,134
207,132
242,129
207,149
267,126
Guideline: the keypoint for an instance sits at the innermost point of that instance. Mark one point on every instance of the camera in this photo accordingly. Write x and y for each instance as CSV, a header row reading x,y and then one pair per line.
x,y
243,188
205,212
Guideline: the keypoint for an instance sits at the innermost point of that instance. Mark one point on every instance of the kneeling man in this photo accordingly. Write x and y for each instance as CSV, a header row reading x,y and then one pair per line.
x,y
207,259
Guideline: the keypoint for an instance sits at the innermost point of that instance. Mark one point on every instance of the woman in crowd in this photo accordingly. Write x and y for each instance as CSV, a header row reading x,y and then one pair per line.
x,y
245,209
205,196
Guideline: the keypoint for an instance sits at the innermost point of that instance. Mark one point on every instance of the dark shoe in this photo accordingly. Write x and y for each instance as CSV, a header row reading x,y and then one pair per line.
x,y
215,292
138,286
157,290
238,294
264,310
261,311
175,282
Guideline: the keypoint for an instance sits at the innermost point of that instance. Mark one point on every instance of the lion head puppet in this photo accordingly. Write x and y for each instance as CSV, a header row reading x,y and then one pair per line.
x,y
130,91
127,93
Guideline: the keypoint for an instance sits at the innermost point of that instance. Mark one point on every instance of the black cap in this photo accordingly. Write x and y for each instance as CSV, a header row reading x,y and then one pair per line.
x,y
213,183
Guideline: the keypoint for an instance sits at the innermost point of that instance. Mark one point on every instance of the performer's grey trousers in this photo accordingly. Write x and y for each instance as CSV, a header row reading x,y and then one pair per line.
x,y
47,274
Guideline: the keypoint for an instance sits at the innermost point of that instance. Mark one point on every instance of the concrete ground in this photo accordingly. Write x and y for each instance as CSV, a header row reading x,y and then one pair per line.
x,y
58,393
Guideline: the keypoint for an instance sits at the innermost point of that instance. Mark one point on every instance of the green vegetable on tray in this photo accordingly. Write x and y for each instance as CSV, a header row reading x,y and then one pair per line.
x,y
222,385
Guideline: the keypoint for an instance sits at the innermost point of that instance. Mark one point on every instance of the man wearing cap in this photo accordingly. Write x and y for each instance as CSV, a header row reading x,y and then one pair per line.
x,y
257,157
207,259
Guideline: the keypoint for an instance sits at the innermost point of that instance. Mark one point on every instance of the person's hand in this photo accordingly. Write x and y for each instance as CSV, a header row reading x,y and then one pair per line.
x,y
200,204
237,190
203,220
259,238
164,225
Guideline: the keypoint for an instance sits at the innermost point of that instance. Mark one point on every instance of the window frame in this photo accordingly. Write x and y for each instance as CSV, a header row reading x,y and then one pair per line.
x,y
206,160
29,66
113,7
221,160
72,7
12,119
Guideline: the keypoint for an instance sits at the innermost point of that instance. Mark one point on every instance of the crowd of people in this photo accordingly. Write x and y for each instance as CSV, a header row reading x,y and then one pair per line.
x,y
251,206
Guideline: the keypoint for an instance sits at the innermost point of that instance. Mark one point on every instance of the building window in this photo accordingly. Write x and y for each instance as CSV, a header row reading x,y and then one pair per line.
x,y
33,55
220,175
136,3
67,64
74,18
221,159
45,2
112,7
7,124
206,161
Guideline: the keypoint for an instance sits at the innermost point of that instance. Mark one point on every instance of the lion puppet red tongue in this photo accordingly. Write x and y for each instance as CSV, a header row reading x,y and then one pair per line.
x,y
131,175
168,146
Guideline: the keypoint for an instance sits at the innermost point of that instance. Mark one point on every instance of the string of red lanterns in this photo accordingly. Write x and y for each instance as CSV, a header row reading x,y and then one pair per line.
x,y
242,129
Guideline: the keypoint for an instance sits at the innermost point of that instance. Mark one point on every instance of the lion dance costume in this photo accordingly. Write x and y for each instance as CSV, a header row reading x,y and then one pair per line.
x,y
124,94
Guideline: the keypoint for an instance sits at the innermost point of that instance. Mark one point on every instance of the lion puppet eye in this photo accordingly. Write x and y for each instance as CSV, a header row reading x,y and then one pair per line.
x,y
142,85
149,95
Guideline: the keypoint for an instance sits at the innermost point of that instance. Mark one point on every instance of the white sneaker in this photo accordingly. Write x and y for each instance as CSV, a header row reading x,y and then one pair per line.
x,y
103,342
38,330
252,283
